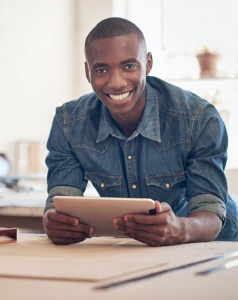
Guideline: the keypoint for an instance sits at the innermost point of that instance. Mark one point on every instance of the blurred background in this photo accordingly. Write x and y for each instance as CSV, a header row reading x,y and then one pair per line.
x,y
194,45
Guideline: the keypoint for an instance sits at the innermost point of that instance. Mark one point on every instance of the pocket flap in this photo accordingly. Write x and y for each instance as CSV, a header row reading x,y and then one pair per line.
x,y
165,181
103,181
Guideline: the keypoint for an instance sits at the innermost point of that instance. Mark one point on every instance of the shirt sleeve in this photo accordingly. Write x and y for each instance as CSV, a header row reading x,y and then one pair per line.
x,y
206,182
61,191
64,168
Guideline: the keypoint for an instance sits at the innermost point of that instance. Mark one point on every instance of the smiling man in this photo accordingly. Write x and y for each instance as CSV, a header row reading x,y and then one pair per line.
x,y
117,67
138,136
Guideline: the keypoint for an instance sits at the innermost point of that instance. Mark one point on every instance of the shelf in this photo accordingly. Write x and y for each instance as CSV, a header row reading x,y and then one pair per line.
x,y
205,83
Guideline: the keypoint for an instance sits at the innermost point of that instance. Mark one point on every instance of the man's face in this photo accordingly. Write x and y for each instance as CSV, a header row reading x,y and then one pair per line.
x,y
116,68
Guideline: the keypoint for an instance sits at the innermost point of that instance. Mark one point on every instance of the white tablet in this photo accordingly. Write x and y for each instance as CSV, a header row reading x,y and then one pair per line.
x,y
99,212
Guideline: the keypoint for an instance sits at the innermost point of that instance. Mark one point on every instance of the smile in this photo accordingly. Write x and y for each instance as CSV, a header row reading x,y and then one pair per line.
x,y
119,97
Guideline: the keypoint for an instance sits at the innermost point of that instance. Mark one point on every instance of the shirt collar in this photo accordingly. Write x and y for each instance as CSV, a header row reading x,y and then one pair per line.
x,y
148,126
107,126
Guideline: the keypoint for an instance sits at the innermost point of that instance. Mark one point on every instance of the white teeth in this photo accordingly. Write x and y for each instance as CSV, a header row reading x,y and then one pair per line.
x,y
119,97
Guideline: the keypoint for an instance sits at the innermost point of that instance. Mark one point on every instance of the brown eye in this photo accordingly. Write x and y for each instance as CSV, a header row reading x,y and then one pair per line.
x,y
101,71
130,66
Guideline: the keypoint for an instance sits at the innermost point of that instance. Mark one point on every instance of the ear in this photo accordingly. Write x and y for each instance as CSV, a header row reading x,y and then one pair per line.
x,y
87,71
149,63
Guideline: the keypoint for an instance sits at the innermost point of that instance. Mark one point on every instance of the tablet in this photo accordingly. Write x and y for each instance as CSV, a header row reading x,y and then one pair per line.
x,y
99,212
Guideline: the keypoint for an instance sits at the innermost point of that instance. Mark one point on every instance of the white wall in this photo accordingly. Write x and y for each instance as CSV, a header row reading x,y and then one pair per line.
x,y
88,14
147,16
42,62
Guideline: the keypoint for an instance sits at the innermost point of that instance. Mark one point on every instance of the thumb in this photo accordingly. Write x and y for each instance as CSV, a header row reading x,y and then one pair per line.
x,y
157,207
161,207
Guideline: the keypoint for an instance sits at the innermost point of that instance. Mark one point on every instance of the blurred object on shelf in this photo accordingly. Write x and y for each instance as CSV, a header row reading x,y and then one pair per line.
x,y
14,182
185,66
5,166
30,157
208,61
29,164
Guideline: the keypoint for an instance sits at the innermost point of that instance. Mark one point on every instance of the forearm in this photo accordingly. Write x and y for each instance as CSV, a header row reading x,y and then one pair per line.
x,y
201,226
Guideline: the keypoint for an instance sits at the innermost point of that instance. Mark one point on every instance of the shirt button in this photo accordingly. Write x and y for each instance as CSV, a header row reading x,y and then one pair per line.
x,y
102,185
167,185
134,186
129,157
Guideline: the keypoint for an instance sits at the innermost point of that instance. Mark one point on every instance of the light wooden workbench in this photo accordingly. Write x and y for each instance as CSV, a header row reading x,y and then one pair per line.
x,y
34,268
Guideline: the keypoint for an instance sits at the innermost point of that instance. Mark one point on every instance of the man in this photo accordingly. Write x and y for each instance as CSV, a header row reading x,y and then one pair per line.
x,y
138,136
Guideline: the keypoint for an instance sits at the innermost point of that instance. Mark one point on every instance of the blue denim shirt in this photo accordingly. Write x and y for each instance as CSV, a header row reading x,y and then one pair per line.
x,y
176,155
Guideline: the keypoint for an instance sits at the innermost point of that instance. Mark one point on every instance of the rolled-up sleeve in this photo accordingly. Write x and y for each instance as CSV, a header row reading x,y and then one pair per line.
x,y
206,182
207,202
61,191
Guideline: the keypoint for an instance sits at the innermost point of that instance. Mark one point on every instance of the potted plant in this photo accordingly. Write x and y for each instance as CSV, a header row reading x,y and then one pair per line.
x,y
208,63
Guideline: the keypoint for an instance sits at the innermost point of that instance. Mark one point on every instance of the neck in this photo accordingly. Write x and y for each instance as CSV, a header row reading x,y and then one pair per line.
x,y
127,122
127,128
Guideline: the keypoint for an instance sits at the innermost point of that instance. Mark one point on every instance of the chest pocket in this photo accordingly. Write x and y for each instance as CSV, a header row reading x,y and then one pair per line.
x,y
107,186
168,188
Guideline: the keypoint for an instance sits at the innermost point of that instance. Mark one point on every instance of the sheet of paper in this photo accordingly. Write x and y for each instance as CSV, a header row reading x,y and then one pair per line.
x,y
96,259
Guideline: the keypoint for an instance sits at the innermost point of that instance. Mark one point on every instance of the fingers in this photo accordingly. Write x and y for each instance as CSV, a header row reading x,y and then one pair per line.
x,y
52,225
149,229
141,239
70,234
63,229
62,218
123,225
161,208
60,241
145,237
60,237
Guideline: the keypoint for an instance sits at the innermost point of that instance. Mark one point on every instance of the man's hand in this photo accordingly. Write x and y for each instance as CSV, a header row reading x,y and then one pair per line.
x,y
63,229
164,228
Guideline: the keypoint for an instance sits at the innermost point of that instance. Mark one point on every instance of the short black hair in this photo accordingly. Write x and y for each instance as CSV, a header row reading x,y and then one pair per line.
x,y
113,27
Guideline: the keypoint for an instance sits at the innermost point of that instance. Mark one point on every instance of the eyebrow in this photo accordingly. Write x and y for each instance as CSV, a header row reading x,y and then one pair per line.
x,y
129,61
102,65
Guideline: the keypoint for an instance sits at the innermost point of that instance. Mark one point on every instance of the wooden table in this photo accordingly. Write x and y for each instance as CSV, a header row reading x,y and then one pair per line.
x,y
34,268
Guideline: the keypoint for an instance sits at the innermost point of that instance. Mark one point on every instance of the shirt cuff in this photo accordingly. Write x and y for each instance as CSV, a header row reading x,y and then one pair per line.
x,y
207,202
61,191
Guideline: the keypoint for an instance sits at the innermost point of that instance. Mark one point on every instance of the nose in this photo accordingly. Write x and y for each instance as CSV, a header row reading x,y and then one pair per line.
x,y
116,80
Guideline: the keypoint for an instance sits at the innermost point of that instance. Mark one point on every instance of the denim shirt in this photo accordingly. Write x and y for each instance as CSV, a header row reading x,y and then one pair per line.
x,y
176,155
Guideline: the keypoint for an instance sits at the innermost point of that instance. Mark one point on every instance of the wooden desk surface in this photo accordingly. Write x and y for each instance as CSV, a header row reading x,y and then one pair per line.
x,y
34,268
